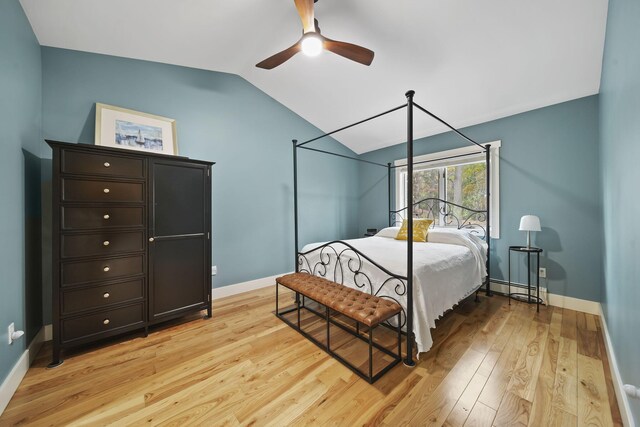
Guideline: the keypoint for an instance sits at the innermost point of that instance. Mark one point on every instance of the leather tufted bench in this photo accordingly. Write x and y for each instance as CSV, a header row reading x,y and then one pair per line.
x,y
357,305
364,308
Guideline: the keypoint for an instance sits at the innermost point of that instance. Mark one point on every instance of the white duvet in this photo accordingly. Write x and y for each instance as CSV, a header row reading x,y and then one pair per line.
x,y
449,267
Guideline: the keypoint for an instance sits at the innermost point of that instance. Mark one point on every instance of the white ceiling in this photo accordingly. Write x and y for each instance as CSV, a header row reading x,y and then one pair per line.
x,y
469,61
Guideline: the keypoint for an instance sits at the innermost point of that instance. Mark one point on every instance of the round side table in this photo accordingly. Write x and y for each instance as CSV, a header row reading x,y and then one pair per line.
x,y
520,296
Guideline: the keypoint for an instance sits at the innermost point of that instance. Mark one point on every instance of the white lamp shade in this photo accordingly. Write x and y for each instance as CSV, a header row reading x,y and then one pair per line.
x,y
530,223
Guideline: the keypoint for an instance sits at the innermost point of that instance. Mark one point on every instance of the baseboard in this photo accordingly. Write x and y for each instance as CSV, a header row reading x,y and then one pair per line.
x,y
239,288
48,332
583,305
621,396
19,370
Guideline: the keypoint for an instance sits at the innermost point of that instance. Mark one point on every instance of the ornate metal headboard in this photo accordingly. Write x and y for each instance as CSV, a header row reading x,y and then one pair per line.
x,y
445,214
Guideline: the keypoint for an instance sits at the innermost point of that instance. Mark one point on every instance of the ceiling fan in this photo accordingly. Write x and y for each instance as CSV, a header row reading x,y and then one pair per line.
x,y
312,43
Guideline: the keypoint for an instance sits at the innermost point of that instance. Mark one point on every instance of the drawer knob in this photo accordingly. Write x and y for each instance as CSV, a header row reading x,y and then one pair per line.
x,y
105,243
106,216
151,239
106,295
106,268
107,164
105,322
106,191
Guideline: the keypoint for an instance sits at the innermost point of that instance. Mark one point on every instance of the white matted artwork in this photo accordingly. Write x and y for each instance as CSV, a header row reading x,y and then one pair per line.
x,y
121,128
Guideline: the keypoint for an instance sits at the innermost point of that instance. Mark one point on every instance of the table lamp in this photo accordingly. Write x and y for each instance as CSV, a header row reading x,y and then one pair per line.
x,y
529,223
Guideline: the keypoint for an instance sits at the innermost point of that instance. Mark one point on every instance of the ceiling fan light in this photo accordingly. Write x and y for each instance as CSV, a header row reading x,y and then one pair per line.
x,y
311,45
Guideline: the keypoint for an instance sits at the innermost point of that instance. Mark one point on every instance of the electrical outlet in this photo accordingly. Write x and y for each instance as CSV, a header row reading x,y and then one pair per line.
x,y
543,272
10,330
214,270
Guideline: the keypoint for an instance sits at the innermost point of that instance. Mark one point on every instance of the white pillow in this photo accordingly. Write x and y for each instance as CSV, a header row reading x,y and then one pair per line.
x,y
391,232
451,235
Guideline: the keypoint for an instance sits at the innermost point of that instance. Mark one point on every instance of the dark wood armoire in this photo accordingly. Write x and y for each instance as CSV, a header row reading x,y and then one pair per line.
x,y
131,234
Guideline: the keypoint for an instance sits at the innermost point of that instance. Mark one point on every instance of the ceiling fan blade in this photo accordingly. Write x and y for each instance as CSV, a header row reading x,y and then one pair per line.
x,y
279,58
305,10
350,51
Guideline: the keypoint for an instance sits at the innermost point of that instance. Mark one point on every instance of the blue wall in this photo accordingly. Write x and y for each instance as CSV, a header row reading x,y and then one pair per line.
x,y
20,141
222,118
620,151
549,167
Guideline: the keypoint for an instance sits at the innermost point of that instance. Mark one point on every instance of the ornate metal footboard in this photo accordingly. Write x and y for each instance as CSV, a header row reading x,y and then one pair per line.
x,y
340,262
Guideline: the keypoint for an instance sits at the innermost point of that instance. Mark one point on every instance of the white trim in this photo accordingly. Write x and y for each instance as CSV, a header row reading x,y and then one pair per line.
x,y
495,175
19,370
621,396
239,288
48,332
576,304
448,153
583,305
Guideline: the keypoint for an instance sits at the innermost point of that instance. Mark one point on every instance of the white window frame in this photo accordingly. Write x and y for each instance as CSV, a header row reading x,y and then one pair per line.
x,y
466,155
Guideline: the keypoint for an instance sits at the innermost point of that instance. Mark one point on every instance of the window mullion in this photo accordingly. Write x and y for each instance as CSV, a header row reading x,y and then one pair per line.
x,y
442,193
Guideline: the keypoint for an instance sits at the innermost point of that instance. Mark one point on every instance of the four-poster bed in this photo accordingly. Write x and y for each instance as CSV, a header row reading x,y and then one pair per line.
x,y
361,264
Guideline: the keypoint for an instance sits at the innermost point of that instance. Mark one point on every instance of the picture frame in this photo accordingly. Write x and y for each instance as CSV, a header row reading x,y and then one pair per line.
x,y
119,127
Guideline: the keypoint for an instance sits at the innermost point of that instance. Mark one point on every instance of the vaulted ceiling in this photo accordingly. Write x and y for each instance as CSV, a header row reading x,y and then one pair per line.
x,y
469,61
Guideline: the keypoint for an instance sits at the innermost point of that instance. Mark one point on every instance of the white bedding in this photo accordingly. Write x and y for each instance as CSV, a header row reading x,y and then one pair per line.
x,y
446,269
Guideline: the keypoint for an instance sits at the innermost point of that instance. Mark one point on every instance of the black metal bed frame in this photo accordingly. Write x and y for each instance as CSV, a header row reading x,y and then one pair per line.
x,y
349,260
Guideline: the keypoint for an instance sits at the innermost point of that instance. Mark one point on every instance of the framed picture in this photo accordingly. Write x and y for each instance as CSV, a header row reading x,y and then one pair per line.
x,y
121,128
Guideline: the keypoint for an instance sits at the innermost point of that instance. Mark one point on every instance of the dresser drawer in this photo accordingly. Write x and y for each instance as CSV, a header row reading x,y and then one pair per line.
x,y
79,190
74,273
100,323
80,163
101,296
77,245
84,218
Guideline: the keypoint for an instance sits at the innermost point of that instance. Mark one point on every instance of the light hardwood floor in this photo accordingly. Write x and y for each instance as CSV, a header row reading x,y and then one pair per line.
x,y
491,364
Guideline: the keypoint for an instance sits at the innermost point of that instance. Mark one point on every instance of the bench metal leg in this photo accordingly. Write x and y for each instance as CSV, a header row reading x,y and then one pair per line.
x,y
371,354
298,307
328,332
277,299
399,337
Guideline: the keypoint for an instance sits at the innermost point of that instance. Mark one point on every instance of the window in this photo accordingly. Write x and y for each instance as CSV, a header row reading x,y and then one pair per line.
x,y
461,180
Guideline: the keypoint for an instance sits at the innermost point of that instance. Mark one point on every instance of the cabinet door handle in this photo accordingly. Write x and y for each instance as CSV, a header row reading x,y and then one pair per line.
x,y
106,268
106,295
106,216
151,239
107,164
105,243
105,322
106,191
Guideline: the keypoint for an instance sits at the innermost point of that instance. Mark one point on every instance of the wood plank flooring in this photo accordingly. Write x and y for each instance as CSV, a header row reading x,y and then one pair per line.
x,y
491,365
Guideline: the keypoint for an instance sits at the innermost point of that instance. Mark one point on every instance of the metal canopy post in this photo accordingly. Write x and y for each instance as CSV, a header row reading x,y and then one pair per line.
x,y
488,236
295,202
409,356
389,191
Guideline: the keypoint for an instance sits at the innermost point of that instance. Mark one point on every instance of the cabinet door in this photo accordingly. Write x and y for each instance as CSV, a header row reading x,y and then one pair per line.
x,y
180,253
